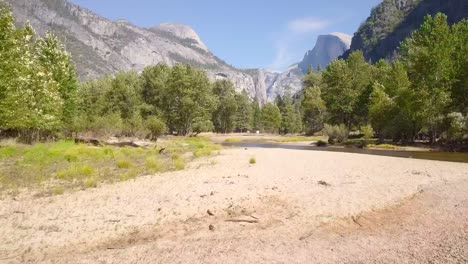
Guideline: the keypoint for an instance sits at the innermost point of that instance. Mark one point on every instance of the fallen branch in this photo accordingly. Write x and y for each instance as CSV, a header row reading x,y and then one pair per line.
x,y
355,221
242,221
85,140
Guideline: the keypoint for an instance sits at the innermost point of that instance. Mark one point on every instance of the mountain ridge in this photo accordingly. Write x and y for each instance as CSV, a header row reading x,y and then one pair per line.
x,y
392,21
100,46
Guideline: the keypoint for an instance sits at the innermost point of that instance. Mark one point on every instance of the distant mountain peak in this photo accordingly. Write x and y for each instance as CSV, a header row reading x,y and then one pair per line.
x,y
181,31
327,49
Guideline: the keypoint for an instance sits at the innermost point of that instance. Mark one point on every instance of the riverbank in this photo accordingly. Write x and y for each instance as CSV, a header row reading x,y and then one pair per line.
x,y
291,206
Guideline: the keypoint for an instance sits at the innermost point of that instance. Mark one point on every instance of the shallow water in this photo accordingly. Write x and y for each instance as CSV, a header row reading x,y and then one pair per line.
x,y
427,155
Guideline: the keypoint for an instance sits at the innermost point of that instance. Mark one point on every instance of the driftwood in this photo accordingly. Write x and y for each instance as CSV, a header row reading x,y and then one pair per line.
x,y
122,144
242,221
85,140
112,142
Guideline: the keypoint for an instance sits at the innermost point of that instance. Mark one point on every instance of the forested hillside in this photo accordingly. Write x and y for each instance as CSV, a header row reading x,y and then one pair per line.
x,y
392,21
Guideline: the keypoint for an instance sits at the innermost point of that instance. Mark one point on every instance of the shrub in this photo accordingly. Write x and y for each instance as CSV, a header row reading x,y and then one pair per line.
x,y
156,127
367,131
90,183
58,191
336,133
321,143
153,165
86,171
252,161
124,164
134,126
179,164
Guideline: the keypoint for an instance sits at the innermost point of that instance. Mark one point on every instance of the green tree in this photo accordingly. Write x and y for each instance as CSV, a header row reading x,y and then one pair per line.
x,y
188,98
30,101
124,96
290,116
271,118
460,86
52,56
154,84
428,56
244,115
224,116
313,106
256,116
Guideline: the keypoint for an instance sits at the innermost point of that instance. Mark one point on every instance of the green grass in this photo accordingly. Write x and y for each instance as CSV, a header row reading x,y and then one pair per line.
x,y
383,146
124,164
78,166
298,139
58,191
253,161
233,140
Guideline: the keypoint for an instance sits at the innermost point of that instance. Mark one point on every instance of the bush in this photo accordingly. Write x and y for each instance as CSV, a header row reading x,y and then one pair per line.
x,y
367,131
124,164
109,125
336,133
321,143
252,161
134,127
156,127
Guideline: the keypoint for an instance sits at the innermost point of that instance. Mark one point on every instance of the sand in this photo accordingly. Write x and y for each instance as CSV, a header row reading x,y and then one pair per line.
x,y
292,206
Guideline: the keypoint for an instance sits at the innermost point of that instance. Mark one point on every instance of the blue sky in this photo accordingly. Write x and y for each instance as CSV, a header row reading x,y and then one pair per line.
x,y
246,33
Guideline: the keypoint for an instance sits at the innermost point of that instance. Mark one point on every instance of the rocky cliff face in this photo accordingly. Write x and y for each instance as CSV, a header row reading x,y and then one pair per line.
x,y
328,48
393,21
100,46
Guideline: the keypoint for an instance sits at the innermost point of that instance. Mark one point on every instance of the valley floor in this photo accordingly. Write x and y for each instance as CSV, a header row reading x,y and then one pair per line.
x,y
292,206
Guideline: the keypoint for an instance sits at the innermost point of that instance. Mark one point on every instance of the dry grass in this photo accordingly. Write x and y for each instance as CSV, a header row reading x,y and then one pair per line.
x,y
66,165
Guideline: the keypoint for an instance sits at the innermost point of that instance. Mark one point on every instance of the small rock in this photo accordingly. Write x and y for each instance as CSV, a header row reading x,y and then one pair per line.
x,y
211,227
324,183
209,212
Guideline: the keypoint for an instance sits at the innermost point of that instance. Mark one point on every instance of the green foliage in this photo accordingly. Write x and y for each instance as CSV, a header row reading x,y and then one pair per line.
x,y
37,83
252,161
124,164
188,99
337,134
367,131
74,165
244,115
321,143
156,127
271,118
313,106
291,121
429,59
224,116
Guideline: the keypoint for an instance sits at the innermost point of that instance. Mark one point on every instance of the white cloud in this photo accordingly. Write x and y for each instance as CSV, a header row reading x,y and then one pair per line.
x,y
295,31
307,25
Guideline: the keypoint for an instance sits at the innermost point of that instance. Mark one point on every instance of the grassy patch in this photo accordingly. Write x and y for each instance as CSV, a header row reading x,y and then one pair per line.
x,y
384,146
78,166
58,191
179,163
233,140
298,139
124,164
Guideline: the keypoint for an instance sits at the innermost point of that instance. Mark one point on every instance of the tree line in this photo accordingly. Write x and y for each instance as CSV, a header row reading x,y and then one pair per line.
x,y
41,96
423,93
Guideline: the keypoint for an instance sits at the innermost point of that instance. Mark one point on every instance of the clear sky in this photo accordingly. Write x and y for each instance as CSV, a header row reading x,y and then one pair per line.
x,y
246,33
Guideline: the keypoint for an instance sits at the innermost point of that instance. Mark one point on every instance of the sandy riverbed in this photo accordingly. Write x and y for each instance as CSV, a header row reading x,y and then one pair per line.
x,y
368,209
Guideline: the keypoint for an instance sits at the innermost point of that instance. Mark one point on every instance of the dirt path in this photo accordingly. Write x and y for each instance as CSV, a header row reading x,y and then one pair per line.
x,y
291,207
